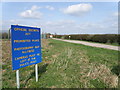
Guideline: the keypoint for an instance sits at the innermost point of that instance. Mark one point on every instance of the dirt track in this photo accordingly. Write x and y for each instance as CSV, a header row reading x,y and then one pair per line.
x,y
93,44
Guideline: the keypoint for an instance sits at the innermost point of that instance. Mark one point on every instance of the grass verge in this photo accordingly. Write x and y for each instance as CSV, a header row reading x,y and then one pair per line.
x,y
65,65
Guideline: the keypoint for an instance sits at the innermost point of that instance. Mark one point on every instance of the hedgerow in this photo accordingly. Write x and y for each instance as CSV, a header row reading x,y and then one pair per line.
x,y
101,38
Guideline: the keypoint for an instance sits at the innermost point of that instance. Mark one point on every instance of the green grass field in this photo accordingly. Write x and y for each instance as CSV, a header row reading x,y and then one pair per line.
x,y
65,65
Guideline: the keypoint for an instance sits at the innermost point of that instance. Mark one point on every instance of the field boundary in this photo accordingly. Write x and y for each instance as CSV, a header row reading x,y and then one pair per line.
x,y
92,44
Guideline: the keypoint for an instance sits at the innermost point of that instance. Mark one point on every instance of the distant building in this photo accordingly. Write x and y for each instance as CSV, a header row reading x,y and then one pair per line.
x,y
51,36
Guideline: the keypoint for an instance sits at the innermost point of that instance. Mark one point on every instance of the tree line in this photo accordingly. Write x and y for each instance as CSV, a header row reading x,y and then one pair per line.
x,y
4,35
101,38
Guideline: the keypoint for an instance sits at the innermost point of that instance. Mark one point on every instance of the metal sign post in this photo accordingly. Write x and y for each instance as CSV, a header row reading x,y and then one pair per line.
x,y
17,79
9,34
36,72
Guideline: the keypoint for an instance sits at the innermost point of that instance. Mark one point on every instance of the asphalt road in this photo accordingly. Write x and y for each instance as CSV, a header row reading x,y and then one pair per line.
x,y
92,44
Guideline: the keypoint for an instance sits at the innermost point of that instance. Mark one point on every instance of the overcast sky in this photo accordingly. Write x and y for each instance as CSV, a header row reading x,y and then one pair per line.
x,y
63,17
